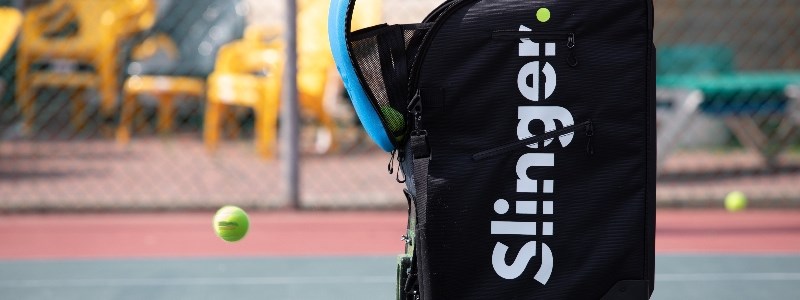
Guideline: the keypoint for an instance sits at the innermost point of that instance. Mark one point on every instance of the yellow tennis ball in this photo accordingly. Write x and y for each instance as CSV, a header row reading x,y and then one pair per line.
x,y
735,201
231,223
543,14
395,120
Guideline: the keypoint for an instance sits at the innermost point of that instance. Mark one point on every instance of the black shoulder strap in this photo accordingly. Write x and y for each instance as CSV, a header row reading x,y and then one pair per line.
x,y
421,153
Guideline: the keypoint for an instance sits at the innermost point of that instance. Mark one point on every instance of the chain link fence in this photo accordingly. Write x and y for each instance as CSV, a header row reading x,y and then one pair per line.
x,y
727,74
171,104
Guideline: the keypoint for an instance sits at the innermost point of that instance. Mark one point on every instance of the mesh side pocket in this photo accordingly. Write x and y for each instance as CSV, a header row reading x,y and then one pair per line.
x,y
382,56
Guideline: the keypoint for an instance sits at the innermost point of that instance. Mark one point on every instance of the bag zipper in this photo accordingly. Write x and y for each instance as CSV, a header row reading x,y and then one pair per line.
x,y
438,10
588,129
572,59
413,83
415,109
441,13
533,35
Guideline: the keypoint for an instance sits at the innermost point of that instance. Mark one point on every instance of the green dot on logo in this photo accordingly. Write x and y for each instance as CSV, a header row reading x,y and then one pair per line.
x,y
543,14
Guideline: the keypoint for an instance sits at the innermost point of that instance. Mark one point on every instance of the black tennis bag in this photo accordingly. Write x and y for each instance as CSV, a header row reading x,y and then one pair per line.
x,y
528,146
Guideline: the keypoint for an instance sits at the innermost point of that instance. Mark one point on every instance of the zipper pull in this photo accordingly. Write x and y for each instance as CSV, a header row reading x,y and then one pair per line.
x,y
399,167
390,167
397,177
572,59
401,157
415,108
589,134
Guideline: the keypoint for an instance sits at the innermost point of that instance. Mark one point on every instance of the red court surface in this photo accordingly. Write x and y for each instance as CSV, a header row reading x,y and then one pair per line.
x,y
140,235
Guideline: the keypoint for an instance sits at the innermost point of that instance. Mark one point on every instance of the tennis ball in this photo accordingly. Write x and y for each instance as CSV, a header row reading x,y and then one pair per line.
x,y
735,201
231,223
394,119
543,14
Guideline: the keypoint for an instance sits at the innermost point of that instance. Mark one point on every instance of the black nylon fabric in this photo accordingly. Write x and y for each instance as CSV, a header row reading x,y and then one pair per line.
x,y
420,151
603,200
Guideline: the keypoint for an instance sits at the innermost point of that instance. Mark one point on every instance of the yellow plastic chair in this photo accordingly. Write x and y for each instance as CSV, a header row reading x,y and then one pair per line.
x,y
163,88
248,73
10,20
188,64
233,83
103,25
9,26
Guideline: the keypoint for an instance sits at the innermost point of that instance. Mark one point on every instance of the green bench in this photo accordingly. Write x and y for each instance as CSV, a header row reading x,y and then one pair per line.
x,y
694,79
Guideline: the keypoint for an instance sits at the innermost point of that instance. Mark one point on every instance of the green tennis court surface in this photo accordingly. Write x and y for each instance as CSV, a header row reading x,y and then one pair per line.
x,y
701,254
683,277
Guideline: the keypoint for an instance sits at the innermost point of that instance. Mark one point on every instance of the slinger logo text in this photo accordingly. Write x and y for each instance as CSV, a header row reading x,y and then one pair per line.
x,y
528,83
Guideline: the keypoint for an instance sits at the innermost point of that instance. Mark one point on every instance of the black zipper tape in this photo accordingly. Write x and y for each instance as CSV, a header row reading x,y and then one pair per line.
x,y
533,35
587,125
441,13
572,59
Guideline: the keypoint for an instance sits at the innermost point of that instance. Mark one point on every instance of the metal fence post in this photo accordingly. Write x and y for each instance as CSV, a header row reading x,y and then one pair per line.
x,y
290,112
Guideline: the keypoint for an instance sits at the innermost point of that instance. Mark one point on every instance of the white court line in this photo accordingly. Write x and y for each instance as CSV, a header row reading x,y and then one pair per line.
x,y
207,281
211,281
691,277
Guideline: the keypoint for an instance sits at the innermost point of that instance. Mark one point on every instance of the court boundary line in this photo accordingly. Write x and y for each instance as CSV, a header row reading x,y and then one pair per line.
x,y
693,277
305,280
199,281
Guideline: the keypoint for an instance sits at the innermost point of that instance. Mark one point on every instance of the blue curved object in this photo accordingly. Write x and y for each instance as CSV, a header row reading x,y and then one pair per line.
x,y
366,112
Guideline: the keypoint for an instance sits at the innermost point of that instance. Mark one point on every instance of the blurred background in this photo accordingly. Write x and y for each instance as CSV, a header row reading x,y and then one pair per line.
x,y
170,104
143,106
125,123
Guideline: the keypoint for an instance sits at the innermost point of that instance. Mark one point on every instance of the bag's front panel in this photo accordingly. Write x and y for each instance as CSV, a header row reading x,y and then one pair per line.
x,y
564,220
